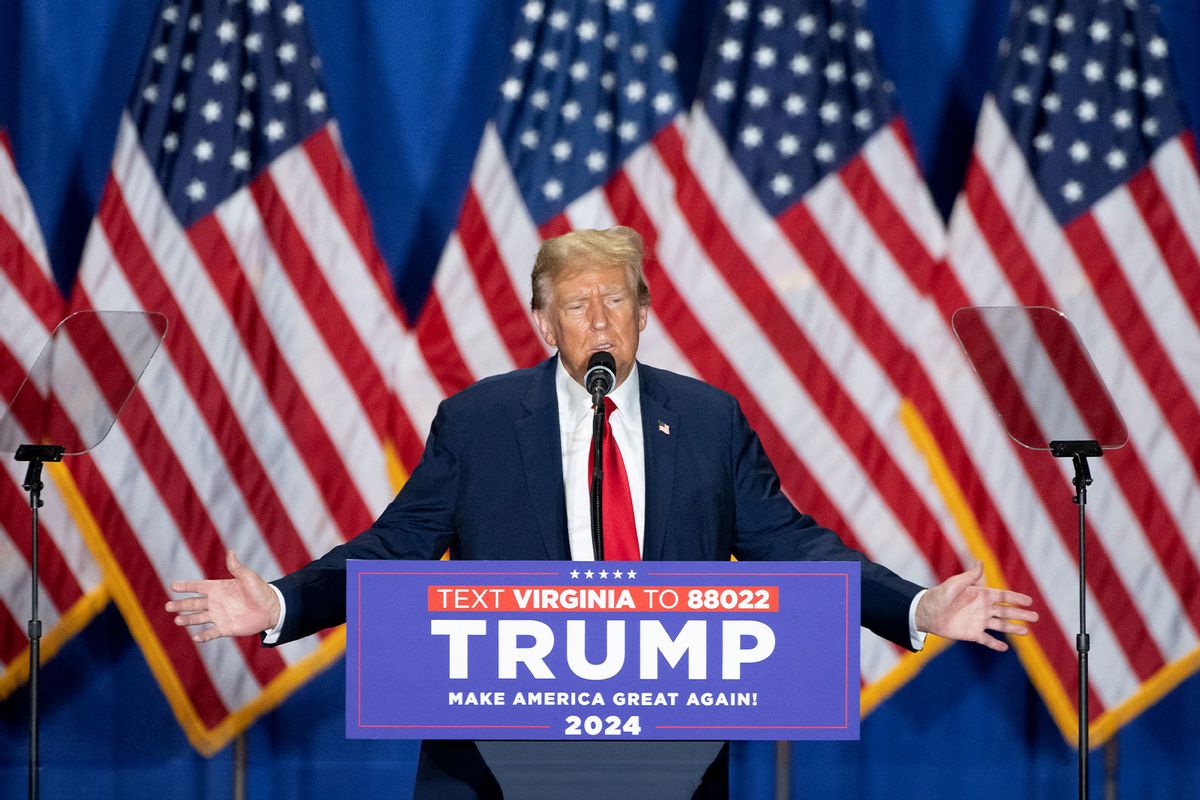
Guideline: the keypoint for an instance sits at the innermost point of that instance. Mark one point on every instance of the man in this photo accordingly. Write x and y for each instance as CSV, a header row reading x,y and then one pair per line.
x,y
505,476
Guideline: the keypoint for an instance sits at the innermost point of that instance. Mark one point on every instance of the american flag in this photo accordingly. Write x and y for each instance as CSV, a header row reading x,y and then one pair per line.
x,y
782,221
70,585
1083,195
267,424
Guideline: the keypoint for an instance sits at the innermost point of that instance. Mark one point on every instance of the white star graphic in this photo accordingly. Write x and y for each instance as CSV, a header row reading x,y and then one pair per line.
x,y
758,96
628,130
293,14
788,145
571,110
1079,151
730,50
240,160
635,91
286,52
575,573
795,105
835,72
801,65
196,190
1122,119
281,91
1115,159
1044,142
596,161
249,81
275,130
588,574
781,185
663,103
771,17
765,57
227,31
150,94
1072,191
511,89
579,70
203,151
586,30
549,60
245,120
830,112
211,111
617,574
171,142
253,42
219,71
824,152
552,189
530,138
1086,111
603,573
1093,71
806,24
630,574
315,101
737,10
603,121
561,150
751,136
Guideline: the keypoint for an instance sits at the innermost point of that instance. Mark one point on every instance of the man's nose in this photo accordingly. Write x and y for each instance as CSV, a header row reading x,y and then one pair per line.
x,y
597,315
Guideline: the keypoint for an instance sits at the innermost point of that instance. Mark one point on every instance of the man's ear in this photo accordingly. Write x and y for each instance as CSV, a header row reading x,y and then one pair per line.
x,y
643,316
544,326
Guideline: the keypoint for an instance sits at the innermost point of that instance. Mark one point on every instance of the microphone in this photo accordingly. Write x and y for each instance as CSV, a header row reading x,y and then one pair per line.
x,y
601,375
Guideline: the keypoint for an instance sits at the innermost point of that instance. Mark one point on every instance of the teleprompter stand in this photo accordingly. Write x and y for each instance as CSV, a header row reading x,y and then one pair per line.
x,y
1046,390
67,404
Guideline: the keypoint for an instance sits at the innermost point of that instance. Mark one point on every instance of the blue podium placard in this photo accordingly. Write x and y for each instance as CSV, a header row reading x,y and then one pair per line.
x,y
653,650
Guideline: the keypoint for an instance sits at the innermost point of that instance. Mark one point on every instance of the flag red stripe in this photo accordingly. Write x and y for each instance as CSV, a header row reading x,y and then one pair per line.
x,y
23,272
1108,588
359,370
150,591
1173,245
13,638
164,470
796,349
503,304
334,173
292,405
710,362
440,349
340,187
557,226
201,380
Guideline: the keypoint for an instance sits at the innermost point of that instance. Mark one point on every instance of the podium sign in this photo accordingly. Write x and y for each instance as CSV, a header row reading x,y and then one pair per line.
x,y
602,650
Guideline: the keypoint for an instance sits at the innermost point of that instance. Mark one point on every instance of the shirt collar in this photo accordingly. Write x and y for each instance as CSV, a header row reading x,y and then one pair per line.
x,y
578,403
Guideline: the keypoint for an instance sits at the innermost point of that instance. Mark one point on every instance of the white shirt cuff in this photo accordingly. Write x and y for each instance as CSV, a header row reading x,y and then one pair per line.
x,y
272,636
917,637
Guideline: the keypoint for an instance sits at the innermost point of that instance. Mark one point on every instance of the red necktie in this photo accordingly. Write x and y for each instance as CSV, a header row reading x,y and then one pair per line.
x,y
620,530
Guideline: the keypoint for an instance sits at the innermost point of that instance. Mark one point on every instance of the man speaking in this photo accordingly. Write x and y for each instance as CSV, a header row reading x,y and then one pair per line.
x,y
506,472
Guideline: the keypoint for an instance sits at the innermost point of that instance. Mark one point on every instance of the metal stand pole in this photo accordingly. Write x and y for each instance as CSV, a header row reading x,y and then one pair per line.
x,y
1079,452
36,455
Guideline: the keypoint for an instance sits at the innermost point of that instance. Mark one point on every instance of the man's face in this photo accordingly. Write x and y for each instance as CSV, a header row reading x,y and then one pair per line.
x,y
592,308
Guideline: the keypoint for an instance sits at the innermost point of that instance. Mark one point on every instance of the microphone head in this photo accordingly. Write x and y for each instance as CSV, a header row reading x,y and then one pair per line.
x,y
601,375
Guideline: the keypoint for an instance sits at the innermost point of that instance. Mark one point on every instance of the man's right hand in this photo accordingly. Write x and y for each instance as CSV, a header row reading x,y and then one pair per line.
x,y
240,606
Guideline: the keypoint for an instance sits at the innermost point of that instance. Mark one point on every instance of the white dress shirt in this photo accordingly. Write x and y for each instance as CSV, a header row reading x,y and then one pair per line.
x,y
575,432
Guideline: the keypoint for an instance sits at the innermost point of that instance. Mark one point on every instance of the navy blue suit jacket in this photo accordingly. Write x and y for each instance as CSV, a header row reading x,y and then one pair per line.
x,y
490,486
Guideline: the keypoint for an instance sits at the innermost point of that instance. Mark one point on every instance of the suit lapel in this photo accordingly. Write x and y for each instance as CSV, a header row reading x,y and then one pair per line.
x,y
541,457
659,434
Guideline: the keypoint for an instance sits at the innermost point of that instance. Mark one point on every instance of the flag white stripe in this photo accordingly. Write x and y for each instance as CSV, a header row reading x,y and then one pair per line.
x,y
371,313
17,211
471,324
418,390
516,236
1176,176
898,177
1142,262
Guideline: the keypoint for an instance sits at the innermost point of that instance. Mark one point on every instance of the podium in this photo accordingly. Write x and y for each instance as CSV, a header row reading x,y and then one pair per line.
x,y
585,679
599,770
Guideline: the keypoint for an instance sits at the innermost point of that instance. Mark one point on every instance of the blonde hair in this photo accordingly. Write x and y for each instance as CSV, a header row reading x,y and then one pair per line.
x,y
618,247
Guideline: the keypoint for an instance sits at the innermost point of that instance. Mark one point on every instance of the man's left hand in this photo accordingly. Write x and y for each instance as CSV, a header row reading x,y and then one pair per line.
x,y
963,608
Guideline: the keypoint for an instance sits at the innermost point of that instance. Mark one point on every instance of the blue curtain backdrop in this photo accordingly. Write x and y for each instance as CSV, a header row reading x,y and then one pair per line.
x,y
411,83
